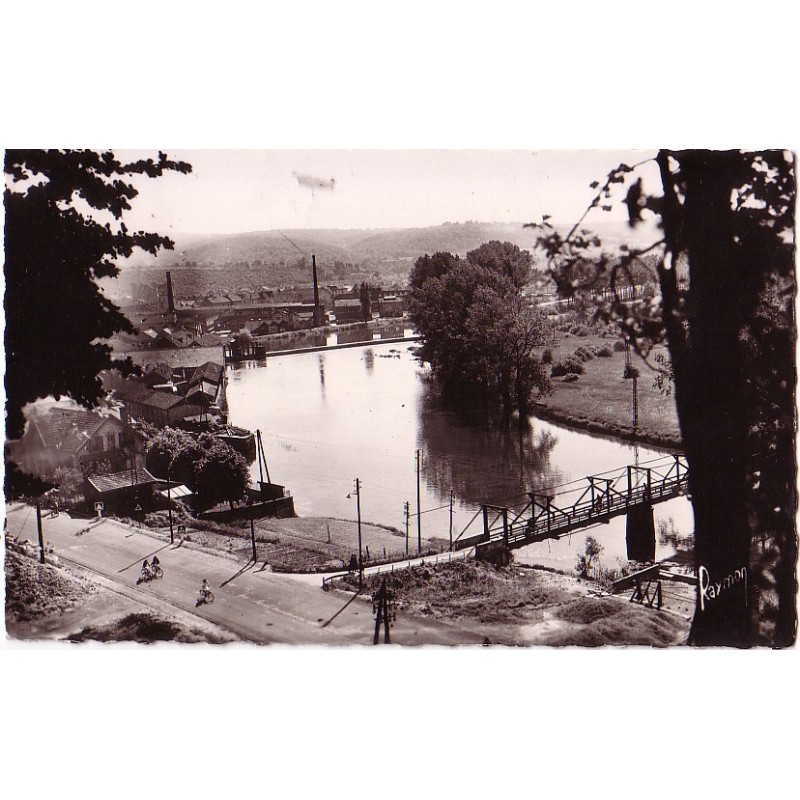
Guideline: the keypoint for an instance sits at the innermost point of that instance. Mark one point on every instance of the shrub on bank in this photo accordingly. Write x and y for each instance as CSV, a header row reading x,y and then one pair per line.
x,y
604,352
619,346
571,376
547,356
570,365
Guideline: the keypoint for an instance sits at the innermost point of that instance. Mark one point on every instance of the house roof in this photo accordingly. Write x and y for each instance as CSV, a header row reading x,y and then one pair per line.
x,y
207,340
120,480
163,400
210,372
347,303
176,492
69,430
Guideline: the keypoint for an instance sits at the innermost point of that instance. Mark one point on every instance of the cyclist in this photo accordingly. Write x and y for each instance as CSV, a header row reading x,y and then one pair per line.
x,y
145,569
204,589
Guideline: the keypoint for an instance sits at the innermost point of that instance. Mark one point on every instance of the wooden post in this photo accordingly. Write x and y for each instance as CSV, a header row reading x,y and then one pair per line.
x,y
386,639
451,519
39,527
419,515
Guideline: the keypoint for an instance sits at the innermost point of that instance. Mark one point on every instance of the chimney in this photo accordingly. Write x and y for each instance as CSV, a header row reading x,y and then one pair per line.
x,y
317,310
170,296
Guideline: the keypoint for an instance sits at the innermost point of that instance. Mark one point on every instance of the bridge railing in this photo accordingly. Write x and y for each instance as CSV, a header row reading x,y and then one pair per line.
x,y
600,497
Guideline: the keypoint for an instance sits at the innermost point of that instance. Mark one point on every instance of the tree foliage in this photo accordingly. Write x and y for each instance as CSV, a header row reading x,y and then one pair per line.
x,y
206,464
727,218
504,258
63,232
431,267
477,332
365,298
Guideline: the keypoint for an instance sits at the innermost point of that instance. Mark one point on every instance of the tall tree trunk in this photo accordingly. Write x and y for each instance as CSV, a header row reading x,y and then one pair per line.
x,y
708,390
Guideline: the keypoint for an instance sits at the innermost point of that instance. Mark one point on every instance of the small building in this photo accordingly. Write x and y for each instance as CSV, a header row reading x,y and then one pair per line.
x,y
64,437
128,492
348,311
243,347
390,306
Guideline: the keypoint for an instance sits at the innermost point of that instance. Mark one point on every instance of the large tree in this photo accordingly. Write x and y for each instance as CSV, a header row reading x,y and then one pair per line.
x,y
64,230
729,217
504,258
478,335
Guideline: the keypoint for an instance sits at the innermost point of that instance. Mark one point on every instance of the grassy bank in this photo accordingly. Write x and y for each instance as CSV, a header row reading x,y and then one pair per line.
x,y
522,606
600,399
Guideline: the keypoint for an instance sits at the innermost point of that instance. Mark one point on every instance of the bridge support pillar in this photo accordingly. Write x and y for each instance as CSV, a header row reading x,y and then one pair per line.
x,y
495,553
640,533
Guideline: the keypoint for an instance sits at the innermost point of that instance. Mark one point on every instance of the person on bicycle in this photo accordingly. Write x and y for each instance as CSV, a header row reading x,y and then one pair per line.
x,y
205,588
145,569
156,562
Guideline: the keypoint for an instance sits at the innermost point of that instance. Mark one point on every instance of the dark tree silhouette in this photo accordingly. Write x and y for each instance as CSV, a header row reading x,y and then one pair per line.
x,y
64,231
729,217
431,267
479,335
366,302
504,258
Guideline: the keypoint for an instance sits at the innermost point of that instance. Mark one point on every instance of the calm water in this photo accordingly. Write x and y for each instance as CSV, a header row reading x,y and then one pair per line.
x,y
328,418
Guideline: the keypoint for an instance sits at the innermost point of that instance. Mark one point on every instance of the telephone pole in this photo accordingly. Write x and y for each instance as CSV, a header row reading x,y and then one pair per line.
x,y
39,528
358,509
451,519
407,510
419,516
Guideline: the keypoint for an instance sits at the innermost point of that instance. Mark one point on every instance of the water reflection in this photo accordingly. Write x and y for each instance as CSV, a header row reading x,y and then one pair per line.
x,y
327,418
369,359
481,461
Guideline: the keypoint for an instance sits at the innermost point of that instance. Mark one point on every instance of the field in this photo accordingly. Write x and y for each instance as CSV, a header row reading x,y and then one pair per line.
x,y
600,400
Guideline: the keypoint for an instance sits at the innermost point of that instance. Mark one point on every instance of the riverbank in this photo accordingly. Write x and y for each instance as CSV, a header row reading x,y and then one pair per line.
x,y
523,606
600,399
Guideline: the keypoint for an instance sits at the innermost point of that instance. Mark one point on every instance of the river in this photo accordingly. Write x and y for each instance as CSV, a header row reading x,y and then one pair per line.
x,y
327,418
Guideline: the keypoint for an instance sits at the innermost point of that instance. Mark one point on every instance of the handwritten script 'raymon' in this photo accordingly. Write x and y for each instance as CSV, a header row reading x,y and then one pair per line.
x,y
711,590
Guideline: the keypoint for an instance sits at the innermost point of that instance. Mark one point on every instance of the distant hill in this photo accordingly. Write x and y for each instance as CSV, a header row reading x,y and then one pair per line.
x,y
203,263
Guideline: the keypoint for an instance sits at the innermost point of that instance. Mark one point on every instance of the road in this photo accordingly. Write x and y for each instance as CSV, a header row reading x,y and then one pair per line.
x,y
253,603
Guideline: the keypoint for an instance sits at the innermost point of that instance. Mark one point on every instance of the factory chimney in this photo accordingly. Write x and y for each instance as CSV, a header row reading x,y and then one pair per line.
x,y
170,296
318,315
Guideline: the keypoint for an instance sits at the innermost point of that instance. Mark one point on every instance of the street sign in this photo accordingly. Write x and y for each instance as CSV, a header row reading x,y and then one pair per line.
x,y
98,506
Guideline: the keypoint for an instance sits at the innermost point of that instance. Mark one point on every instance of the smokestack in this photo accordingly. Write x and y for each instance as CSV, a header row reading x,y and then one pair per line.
x,y
170,296
317,309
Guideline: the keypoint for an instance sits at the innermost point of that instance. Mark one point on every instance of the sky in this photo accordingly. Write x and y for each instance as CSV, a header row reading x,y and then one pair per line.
x,y
234,191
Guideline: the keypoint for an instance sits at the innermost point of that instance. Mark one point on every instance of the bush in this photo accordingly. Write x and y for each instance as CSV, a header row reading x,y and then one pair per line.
x,y
547,356
583,330
604,352
619,346
571,376
570,365
630,372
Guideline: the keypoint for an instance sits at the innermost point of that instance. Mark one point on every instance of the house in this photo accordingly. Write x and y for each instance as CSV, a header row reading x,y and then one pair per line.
x,y
129,492
160,408
62,437
157,375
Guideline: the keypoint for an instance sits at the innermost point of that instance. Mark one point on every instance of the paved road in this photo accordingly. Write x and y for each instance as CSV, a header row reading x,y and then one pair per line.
x,y
255,604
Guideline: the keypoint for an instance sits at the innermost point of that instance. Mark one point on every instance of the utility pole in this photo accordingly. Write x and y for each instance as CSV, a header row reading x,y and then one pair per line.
x,y
169,504
419,516
39,527
358,508
451,519
408,515
253,532
380,607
